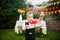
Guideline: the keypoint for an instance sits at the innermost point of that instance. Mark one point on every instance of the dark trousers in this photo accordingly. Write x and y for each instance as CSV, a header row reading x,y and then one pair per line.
x,y
30,34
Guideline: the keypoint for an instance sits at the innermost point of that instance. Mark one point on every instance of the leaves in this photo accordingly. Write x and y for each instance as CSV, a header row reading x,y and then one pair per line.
x,y
8,12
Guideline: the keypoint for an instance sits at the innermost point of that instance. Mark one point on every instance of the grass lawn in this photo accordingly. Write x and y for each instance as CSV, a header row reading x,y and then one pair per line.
x,y
9,34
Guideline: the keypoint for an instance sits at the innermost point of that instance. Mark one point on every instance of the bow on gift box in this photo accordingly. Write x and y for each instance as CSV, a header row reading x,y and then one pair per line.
x,y
33,21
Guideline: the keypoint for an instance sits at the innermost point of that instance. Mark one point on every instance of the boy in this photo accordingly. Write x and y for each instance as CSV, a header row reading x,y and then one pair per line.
x,y
30,28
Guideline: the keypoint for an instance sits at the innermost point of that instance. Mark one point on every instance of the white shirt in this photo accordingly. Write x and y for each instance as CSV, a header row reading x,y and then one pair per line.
x,y
30,26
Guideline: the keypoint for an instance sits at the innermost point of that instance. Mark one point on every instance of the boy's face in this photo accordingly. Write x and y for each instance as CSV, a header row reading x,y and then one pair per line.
x,y
30,17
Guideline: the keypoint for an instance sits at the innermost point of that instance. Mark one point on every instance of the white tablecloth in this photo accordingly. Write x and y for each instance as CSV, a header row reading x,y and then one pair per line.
x,y
41,24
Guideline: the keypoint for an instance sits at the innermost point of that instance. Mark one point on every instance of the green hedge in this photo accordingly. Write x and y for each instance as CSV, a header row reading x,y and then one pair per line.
x,y
8,12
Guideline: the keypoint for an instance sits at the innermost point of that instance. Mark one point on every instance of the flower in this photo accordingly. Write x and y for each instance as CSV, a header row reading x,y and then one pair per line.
x,y
21,10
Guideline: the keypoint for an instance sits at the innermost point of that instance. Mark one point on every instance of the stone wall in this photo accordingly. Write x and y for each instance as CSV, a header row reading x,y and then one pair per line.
x,y
53,25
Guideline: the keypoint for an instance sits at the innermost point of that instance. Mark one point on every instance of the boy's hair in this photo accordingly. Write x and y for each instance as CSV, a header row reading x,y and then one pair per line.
x,y
30,6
